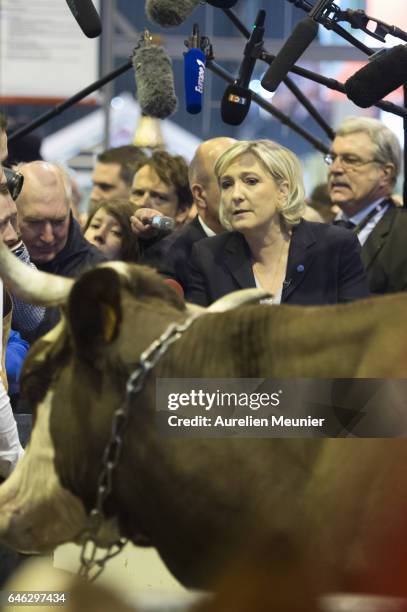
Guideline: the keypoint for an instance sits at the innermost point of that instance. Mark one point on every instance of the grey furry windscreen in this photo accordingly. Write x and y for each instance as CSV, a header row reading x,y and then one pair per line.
x,y
154,82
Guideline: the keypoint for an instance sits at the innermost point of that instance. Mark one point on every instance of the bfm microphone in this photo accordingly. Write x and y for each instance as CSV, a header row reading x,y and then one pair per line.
x,y
154,79
237,97
385,72
86,16
295,45
194,73
160,223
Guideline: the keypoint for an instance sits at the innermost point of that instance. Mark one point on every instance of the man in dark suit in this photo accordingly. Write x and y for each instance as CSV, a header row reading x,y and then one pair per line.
x,y
171,255
364,163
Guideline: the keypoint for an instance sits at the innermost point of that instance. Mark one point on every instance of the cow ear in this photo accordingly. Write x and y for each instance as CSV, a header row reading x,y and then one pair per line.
x,y
94,309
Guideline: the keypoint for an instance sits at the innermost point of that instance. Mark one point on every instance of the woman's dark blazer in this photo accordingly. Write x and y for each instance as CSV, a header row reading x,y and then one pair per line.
x,y
324,267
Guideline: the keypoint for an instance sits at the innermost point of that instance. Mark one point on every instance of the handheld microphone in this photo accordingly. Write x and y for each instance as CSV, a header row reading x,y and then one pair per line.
x,y
86,17
384,73
169,13
154,79
194,73
295,45
237,97
162,224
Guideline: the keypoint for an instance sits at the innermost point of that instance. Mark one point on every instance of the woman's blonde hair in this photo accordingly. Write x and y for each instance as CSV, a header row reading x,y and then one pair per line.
x,y
280,163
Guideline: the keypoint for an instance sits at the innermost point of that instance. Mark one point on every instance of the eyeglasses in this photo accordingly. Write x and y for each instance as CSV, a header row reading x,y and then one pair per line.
x,y
348,161
15,182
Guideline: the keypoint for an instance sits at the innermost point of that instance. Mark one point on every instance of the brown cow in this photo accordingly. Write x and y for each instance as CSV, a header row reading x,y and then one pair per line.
x,y
342,501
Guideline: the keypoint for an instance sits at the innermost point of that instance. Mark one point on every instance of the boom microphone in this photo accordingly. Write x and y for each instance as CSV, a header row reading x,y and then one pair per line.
x,y
194,73
169,13
383,74
86,16
302,36
237,97
224,4
154,79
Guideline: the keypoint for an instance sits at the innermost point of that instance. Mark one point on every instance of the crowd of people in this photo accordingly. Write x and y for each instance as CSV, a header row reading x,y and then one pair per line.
x,y
240,219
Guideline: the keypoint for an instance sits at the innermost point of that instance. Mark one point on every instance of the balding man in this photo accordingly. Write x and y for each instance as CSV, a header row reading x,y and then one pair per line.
x,y
204,186
52,236
174,251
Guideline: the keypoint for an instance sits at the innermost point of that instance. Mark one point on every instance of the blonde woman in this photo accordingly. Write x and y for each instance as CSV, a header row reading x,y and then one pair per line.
x,y
269,244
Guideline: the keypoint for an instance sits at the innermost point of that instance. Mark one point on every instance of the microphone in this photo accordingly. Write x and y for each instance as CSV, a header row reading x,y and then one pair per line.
x,y
86,17
224,4
160,223
385,72
237,97
169,13
295,45
154,79
194,73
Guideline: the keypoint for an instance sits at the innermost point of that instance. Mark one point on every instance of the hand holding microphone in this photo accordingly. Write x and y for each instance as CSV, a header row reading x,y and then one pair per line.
x,y
147,222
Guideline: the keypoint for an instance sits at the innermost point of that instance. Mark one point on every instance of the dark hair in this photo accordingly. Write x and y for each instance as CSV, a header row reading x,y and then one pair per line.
x,y
129,158
121,210
172,170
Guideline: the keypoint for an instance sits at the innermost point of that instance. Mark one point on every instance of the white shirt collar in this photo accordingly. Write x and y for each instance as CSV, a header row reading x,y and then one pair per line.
x,y
208,231
361,214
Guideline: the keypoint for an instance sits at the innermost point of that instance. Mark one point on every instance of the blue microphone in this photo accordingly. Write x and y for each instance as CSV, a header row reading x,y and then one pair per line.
x,y
194,73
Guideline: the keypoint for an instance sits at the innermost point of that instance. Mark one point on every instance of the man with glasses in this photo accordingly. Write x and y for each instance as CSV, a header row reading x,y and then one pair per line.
x,y
363,166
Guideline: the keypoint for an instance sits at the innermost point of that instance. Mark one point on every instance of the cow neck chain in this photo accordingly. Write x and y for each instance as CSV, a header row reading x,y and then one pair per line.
x,y
91,565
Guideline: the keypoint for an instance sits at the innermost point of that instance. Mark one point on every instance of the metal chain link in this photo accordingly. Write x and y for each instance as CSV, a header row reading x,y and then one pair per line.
x,y
92,566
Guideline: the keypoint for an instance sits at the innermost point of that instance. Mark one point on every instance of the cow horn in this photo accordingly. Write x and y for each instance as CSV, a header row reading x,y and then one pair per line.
x,y
238,298
31,285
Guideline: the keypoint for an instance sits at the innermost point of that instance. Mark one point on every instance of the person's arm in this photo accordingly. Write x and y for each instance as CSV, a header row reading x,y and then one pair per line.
x,y
10,447
197,290
353,284
139,223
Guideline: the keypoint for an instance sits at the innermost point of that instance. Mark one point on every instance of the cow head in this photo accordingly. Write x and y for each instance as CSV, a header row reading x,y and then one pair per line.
x,y
74,378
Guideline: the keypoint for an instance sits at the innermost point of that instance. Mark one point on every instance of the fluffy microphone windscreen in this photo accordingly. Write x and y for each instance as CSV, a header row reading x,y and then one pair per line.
x,y
169,13
378,78
295,45
154,81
